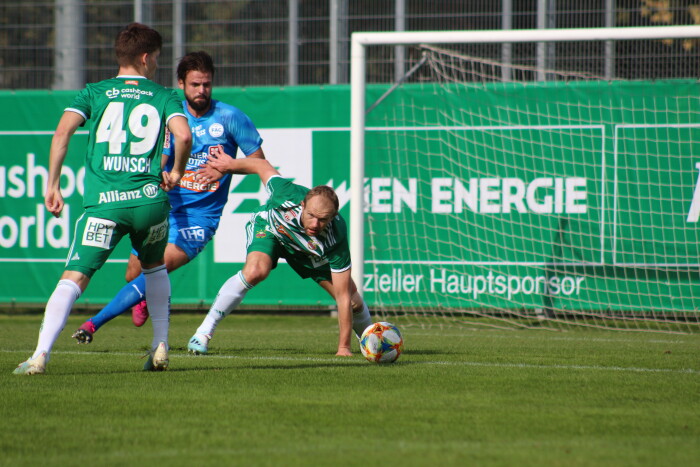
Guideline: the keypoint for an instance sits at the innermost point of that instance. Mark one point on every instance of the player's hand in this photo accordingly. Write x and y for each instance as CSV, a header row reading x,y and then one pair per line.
x,y
215,167
343,352
219,160
170,180
54,202
207,174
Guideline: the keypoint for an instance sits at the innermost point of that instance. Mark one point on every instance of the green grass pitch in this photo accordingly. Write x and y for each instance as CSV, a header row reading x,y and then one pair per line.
x,y
272,393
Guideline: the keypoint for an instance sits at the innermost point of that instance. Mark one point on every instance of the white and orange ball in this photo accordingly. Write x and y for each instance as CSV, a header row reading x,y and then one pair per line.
x,y
381,342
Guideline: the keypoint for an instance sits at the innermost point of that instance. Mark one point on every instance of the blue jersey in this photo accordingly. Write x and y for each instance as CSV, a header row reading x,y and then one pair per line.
x,y
225,125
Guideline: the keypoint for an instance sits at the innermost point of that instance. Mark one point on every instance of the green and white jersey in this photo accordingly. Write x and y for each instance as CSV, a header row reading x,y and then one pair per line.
x,y
127,117
283,212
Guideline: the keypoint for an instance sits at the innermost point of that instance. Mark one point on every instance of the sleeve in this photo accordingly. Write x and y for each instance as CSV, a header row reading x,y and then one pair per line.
x,y
283,191
245,134
276,186
339,256
81,104
173,106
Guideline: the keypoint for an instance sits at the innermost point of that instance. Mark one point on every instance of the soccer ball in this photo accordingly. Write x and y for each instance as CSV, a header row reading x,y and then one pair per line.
x,y
381,342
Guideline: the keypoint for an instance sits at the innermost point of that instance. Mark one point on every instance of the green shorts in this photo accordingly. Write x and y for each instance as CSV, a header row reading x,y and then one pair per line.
x,y
259,238
99,230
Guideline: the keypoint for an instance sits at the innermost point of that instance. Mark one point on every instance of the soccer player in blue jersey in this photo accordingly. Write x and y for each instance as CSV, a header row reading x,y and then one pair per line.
x,y
304,227
196,206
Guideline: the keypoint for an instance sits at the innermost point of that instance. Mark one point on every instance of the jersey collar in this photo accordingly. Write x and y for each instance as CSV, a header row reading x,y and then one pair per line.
x,y
131,76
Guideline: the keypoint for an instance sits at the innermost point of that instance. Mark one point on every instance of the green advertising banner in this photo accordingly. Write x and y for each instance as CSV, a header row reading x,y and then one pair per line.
x,y
574,196
567,196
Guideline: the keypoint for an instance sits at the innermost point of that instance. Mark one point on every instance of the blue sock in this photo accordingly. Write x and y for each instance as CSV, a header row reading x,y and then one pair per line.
x,y
131,294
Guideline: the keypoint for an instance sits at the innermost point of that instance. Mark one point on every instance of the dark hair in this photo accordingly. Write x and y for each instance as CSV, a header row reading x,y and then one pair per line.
x,y
195,61
325,191
136,39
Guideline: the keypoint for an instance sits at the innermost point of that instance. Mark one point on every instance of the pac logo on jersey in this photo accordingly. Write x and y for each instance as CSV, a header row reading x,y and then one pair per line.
x,y
216,130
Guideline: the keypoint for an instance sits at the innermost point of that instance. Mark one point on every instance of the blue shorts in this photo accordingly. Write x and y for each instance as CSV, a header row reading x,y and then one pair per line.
x,y
190,233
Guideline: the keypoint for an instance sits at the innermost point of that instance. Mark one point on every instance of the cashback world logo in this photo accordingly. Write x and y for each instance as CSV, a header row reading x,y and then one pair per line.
x,y
112,93
25,223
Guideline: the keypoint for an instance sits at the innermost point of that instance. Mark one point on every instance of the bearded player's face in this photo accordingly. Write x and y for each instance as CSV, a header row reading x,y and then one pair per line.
x,y
197,89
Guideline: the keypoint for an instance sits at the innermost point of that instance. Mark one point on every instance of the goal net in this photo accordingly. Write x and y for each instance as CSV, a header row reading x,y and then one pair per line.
x,y
516,195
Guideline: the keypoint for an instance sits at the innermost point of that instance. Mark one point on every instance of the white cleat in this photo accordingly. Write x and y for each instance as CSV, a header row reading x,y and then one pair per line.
x,y
33,366
199,344
157,359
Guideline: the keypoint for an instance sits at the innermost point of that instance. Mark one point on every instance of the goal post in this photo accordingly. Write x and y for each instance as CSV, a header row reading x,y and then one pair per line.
x,y
606,139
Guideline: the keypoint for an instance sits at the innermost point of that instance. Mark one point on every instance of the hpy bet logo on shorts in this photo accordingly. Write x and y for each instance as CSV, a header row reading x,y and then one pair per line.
x,y
98,232
157,232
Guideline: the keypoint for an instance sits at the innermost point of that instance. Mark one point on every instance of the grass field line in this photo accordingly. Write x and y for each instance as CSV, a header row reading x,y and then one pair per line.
x,y
523,336
413,362
515,334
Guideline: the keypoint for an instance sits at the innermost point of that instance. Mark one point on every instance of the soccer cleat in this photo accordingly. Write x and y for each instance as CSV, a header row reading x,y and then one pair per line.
x,y
199,344
33,366
139,313
157,359
84,333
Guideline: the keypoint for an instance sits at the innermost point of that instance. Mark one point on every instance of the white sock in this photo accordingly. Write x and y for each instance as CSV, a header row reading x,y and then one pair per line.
x,y
229,297
361,319
158,298
56,314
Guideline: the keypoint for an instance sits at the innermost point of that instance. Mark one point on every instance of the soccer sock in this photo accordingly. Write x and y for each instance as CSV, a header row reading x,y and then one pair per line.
x,y
56,314
131,294
361,319
158,298
229,297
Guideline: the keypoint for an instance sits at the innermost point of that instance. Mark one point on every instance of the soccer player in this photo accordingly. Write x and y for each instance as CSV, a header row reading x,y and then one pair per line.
x,y
122,194
304,227
196,206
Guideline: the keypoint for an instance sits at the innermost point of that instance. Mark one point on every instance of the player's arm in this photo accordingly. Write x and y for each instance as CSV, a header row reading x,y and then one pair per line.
x,y
258,154
221,162
341,288
182,136
208,173
69,122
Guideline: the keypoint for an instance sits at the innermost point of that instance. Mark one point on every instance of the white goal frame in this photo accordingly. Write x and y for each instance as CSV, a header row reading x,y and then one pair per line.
x,y
361,40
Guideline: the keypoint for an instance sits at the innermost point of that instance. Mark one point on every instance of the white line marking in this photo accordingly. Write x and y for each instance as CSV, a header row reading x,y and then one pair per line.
x,y
412,362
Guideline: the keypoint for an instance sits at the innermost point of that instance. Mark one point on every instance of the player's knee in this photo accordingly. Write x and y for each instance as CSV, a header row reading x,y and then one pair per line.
x,y
255,273
172,264
356,302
